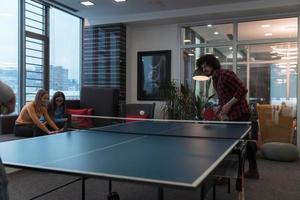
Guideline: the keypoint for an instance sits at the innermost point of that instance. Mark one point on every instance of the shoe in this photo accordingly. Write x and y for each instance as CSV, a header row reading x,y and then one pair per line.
x,y
252,174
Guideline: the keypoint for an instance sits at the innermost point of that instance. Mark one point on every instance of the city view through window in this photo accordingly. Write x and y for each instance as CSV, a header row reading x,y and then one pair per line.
x,y
9,44
64,48
64,53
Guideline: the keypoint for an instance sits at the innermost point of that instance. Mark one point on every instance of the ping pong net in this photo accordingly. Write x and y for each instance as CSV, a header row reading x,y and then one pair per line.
x,y
163,127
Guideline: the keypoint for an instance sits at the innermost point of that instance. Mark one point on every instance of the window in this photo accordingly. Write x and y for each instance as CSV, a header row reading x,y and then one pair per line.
x,y
214,39
27,71
65,50
9,44
268,61
208,34
36,44
272,75
268,29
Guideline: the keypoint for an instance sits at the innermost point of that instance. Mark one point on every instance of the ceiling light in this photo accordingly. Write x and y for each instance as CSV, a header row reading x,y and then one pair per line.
x,y
87,3
209,25
5,15
265,25
289,58
291,27
186,40
120,0
268,34
191,54
230,48
216,33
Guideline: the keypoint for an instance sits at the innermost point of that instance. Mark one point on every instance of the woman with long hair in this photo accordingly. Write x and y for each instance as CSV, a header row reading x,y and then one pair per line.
x,y
57,109
28,123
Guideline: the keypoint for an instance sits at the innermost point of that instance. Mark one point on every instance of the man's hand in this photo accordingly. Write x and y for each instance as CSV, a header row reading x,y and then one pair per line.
x,y
225,109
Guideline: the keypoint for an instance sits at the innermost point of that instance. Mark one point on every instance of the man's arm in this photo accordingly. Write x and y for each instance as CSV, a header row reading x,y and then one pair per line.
x,y
231,80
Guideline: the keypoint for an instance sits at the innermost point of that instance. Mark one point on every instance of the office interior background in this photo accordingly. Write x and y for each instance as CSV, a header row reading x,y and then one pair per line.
x,y
45,45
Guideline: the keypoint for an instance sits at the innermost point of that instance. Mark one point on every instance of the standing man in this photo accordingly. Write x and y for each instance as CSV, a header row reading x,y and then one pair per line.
x,y
7,105
232,101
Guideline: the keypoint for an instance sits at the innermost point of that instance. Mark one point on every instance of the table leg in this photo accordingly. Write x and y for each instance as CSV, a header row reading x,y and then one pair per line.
x,y
202,191
83,188
160,193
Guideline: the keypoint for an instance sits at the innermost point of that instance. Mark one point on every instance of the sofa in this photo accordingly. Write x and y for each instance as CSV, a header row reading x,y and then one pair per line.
x,y
103,101
7,123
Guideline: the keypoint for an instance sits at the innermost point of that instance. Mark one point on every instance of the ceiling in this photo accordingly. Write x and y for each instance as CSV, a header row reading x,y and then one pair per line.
x,y
178,11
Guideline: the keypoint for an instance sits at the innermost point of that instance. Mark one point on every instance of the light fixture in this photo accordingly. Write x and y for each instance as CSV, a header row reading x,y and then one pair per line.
x,y
191,54
199,76
120,0
265,25
216,33
186,40
5,15
87,3
209,25
285,52
268,34
291,27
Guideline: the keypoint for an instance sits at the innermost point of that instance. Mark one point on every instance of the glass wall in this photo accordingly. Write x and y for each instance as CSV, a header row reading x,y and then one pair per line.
x,y
272,71
264,54
65,50
208,34
9,44
214,39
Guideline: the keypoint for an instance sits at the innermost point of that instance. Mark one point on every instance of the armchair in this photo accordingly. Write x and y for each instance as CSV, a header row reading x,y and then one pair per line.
x,y
275,127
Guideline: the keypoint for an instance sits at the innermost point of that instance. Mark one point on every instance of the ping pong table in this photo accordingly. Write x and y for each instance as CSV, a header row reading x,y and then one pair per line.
x,y
165,154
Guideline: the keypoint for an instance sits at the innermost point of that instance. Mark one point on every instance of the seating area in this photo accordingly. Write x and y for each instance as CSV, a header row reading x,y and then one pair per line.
x,y
101,102
277,127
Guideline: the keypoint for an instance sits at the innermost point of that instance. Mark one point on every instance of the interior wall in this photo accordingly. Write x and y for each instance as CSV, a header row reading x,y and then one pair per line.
x,y
150,38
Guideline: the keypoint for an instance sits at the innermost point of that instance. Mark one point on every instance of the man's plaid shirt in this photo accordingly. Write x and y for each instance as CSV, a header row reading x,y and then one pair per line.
x,y
228,85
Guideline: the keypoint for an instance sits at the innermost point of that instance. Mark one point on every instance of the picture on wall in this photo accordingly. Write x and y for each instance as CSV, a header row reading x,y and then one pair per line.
x,y
154,71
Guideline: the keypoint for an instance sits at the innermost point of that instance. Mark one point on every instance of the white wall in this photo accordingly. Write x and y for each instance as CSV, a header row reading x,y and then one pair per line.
x,y
150,38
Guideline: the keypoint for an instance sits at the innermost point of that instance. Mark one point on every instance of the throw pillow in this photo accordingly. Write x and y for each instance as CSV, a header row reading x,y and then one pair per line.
x,y
81,122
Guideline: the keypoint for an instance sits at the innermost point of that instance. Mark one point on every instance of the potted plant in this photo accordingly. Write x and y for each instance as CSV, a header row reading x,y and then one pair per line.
x,y
182,103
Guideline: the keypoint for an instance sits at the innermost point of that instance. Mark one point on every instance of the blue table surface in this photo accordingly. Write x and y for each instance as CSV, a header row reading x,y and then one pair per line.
x,y
181,161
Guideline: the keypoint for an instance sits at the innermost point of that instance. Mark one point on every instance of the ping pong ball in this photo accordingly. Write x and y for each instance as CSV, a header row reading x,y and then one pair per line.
x,y
142,112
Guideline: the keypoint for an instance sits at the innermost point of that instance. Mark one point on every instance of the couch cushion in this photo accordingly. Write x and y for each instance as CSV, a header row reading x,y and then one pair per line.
x,y
280,151
81,122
